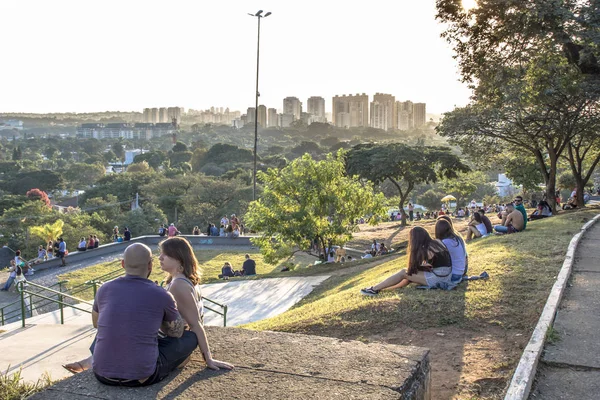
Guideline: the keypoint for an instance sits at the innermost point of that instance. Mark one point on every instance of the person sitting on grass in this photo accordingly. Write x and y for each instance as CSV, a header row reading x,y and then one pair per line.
x,y
486,221
444,231
543,211
514,221
429,264
382,250
521,208
476,227
249,266
227,271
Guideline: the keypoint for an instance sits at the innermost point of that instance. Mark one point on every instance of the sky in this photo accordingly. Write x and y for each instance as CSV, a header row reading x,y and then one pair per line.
x,y
125,55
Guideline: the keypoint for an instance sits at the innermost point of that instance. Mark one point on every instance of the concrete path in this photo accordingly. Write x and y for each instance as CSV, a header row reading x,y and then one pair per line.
x,y
44,345
570,365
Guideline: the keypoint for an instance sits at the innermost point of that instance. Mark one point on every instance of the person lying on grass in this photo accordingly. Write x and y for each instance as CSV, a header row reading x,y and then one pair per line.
x,y
429,264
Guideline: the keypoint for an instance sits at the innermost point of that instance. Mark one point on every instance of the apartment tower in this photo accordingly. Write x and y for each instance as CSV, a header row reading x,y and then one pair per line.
x,y
293,106
383,112
350,111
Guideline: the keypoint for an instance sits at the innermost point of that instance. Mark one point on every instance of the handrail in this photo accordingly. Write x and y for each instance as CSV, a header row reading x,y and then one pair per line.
x,y
23,292
6,315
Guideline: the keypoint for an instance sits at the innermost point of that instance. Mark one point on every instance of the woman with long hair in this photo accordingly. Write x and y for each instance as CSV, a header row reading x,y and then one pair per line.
x,y
429,264
476,227
177,259
444,231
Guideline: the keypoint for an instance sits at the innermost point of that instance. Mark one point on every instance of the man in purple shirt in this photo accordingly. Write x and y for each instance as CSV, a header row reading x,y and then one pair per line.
x,y
128,313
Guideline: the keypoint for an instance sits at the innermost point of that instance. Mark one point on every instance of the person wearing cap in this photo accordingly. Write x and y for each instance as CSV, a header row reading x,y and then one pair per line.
x,y
172,230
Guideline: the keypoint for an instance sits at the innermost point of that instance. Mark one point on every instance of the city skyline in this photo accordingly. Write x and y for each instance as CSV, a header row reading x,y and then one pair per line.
x,y
57,55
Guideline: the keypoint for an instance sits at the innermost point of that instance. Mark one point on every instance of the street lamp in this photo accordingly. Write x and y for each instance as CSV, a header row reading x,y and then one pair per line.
x,y
258,16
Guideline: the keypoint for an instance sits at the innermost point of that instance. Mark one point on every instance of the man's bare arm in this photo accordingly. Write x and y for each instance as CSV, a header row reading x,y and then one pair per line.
x,y
173,328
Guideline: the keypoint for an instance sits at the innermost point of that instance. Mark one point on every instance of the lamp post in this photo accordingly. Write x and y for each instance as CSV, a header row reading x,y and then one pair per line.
x,y
258,16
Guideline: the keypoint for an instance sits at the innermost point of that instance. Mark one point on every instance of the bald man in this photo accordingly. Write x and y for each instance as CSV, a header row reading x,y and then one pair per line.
x,y
128,312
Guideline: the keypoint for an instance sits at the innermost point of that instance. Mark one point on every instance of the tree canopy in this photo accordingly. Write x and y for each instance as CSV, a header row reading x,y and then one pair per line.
x,y
310,200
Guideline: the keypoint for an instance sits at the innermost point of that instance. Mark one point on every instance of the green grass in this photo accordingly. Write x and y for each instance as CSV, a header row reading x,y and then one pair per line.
x,y
13,387
523,268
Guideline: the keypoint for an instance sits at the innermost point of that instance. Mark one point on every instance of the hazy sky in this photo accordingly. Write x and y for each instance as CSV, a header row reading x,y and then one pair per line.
x,y
74,55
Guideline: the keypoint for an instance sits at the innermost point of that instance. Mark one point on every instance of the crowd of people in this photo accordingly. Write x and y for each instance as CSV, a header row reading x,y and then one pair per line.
x,y
140,339
227,228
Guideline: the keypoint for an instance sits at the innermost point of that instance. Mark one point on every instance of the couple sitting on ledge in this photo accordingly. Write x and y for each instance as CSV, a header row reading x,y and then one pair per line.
x,y
145,331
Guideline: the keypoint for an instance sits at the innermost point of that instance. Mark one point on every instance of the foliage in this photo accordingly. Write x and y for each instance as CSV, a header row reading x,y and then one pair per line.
x,y
153,158
431,199
179,147
404,166
119,150
37,194
82,175
123,186
309,200
48,232
139,167
472,185
523,169
144,221
45,180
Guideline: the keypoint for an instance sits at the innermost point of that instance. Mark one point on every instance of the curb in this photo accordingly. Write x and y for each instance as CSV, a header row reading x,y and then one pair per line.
x,y
526,369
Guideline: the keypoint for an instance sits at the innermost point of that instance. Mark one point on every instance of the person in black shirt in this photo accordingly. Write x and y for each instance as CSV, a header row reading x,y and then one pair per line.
x,y
249,266
127,234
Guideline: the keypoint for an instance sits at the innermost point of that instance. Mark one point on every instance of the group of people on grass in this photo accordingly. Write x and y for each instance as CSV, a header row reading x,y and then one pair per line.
x,y
144,331
440,263
377,249
248,269
513,219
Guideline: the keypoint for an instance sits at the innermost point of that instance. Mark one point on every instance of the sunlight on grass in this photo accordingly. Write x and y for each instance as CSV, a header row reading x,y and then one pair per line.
x,y
522,267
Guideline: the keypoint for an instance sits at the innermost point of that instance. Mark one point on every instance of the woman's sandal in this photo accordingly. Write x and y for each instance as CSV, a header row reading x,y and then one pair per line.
x,y
74,370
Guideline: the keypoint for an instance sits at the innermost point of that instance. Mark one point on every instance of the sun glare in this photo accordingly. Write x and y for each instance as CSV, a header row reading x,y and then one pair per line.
x,y
469,4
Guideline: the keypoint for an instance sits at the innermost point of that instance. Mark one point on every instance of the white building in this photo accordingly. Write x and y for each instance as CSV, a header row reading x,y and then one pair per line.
x,y
504,186
130,155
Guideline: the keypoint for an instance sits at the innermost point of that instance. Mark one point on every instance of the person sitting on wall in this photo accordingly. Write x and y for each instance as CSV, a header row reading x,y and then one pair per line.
x,y
127,234
91,242
82,245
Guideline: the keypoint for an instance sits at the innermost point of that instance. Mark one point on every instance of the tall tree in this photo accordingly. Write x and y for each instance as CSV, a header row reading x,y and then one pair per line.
x,y
309,200
404,166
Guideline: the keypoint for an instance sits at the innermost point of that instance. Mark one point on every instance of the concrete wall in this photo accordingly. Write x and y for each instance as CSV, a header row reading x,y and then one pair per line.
x,y
152,241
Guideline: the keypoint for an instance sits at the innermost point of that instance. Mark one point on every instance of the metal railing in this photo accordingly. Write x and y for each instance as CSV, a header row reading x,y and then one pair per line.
x,y
37,300
13,310
61,304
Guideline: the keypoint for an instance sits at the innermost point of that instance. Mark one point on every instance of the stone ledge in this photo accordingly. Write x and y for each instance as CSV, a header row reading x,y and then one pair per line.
x,y
273,365
150,240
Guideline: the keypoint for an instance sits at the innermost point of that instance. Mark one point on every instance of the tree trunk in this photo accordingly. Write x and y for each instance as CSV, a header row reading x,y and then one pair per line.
x,y
580,188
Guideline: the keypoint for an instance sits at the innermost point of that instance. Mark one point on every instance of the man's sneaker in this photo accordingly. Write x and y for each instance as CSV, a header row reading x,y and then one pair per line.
x,y
369,291
29,273
484,275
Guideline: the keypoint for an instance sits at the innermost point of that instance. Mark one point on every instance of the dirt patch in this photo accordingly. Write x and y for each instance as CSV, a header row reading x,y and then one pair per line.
x,y
465,364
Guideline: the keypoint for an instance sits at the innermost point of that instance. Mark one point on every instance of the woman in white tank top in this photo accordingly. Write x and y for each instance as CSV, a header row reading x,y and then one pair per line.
x,y
177,259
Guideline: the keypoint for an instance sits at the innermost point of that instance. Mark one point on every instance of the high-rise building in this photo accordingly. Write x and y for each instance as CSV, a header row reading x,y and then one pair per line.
x,y
174,113
285,120
383,112
262,116
405,114
293,106
316,107
147,115
419,112
357,108
163,115
154,115
250,114
273,119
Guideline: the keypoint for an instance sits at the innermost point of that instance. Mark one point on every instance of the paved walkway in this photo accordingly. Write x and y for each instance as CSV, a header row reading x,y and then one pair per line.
x,y
570,365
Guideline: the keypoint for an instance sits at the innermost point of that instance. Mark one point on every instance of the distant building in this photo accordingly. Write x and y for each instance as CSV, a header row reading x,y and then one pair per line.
x,y
11,124
250,114
154,116
262,116
163,115
273,119
293,106
215,115
420,114
383,112
504,186
357,108
405,114
285,120
130,155
174,114
143,130
147,115
316,108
